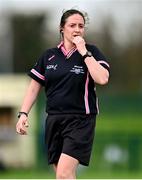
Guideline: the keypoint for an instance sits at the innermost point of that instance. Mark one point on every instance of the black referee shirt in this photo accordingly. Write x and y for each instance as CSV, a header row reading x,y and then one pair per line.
x,y
68,85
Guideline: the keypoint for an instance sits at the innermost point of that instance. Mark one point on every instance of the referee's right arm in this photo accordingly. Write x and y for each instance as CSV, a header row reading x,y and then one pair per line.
x,y
30,97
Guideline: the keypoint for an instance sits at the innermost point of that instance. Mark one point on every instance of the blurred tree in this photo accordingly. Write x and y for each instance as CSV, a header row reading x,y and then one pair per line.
x,y
103,39
132,56
125,58
28,40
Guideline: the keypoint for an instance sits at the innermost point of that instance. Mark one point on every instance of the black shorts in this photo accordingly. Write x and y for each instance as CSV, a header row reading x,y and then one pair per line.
x,y
70,134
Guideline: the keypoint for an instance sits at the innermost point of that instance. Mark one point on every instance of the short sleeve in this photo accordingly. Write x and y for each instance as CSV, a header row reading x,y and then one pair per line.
x,y
38,71
99,56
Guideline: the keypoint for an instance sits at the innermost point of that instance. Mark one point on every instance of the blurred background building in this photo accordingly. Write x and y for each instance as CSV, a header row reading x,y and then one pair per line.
x,y
27,28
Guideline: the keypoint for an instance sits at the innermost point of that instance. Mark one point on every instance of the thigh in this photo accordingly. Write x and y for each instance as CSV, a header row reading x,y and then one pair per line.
x,y
67,164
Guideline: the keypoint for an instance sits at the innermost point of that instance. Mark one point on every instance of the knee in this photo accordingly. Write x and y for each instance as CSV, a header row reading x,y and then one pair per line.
x,y
64,174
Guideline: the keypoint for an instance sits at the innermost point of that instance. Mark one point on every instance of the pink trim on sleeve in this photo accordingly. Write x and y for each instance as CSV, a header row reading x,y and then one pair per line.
x,y
38,74
103,62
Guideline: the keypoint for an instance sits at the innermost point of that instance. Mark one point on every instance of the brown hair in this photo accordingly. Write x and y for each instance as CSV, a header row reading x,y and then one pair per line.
x,y
69,13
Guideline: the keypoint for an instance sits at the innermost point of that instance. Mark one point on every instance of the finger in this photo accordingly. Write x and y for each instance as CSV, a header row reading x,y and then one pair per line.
x,y
17,129
75,39
26,124
78,40
22,132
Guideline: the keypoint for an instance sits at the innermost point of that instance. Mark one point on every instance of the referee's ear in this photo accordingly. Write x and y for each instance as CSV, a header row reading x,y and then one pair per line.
x,y
61,32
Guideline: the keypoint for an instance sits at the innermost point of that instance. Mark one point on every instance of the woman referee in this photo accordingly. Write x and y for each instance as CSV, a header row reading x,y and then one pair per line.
x,y
68,73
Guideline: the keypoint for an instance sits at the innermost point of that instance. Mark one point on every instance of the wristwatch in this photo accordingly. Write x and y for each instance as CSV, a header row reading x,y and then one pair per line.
x,y
88,54
20,113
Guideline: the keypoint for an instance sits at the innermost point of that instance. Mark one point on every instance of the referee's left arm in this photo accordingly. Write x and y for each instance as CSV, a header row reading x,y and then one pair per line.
x,y
99,74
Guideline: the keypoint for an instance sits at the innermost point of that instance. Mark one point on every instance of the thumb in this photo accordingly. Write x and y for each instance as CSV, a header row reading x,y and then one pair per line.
x,y
26,124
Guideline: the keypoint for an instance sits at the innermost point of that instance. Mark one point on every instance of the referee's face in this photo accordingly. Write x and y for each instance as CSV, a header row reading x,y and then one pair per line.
x,y
74,26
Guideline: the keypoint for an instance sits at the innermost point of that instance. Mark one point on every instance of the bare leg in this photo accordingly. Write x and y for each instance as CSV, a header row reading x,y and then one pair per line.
x,y
66,168
55,167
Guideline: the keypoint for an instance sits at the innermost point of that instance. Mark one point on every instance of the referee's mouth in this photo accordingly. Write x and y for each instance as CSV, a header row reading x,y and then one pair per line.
x,y
76,35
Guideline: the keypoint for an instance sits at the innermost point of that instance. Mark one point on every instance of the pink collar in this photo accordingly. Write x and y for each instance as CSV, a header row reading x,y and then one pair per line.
x,y
65,52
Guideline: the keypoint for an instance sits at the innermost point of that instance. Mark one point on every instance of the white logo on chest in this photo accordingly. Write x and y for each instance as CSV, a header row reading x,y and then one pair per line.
x,y
77,69
51,66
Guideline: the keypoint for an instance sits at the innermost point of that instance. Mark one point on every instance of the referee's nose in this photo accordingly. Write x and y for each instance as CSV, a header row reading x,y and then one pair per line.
x,y
77,28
